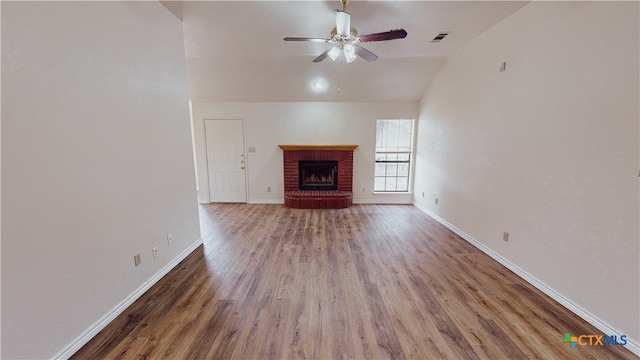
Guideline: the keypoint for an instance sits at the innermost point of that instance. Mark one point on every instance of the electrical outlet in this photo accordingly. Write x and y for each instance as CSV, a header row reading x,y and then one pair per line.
x,y
136,259
436,201
155,252
505,236
269,189
423,194
169,238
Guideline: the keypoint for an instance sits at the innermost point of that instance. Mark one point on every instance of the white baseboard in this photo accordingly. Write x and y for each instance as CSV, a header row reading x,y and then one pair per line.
x,y
632,344
84,338
266,201
355,201
383,201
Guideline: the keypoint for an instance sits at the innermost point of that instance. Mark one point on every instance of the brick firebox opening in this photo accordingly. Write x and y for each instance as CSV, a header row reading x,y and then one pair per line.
x,y
340,198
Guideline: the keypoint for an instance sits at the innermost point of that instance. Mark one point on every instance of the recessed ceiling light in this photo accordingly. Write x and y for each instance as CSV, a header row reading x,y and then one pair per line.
x,y
319,85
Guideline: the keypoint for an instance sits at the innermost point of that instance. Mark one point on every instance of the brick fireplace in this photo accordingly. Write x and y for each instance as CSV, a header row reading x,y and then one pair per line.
x,y
296,198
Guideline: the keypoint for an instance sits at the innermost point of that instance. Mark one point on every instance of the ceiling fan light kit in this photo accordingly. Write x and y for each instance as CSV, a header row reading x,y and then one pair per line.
x,y
349,52
345,38
334,53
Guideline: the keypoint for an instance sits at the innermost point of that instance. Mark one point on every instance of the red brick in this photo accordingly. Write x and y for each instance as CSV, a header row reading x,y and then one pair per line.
x,y
319,199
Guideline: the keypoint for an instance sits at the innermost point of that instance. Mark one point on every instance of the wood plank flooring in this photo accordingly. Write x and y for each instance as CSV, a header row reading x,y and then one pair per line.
x,y
367,282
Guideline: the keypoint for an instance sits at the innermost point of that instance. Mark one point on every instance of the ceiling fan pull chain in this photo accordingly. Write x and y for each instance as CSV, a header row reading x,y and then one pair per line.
x,y
339,72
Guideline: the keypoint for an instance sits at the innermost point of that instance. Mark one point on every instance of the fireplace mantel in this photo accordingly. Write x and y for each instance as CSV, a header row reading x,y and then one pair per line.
x,y
318,147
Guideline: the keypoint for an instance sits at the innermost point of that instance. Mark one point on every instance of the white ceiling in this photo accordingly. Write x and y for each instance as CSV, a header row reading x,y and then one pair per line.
x,y
235,49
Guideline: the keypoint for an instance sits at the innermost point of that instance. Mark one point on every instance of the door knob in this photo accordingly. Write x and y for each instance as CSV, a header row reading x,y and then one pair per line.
x,y
242,168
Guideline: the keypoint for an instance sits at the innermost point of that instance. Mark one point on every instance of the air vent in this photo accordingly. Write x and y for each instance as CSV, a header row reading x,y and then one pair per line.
x,y
440,36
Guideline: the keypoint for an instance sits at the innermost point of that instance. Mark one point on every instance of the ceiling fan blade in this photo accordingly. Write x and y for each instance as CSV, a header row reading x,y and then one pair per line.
x,y
322,56
305,39
388,35
365,54
343,23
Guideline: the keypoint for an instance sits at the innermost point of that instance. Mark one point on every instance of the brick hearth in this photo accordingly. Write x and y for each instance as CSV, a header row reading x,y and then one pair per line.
x,y
318,199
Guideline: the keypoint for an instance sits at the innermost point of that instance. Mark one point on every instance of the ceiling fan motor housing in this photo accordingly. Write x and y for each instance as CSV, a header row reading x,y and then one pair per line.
x,y
343,22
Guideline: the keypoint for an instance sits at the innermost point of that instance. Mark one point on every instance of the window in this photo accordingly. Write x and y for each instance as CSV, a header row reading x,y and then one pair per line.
x,y
394,145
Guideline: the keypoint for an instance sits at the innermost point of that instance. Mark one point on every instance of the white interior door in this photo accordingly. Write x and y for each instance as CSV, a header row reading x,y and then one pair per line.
x,y
225,160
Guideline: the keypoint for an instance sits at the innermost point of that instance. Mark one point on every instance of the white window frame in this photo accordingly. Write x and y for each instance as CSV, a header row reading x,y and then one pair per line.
x,y
386,153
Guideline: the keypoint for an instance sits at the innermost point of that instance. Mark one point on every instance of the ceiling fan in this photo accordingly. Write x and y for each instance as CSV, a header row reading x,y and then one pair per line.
x,y
346,38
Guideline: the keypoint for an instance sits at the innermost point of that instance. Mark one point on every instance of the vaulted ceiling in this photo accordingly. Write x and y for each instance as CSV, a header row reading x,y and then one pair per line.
x,y
235,49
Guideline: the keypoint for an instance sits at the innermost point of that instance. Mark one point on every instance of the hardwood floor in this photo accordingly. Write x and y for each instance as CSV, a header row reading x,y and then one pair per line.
x,y
367,282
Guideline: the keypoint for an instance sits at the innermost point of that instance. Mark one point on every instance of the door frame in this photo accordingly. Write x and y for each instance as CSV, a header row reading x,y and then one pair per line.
x,y
244,144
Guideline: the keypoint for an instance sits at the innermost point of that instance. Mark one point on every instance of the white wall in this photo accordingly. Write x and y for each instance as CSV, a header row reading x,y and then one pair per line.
x,y
96,164
547,150
269,124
